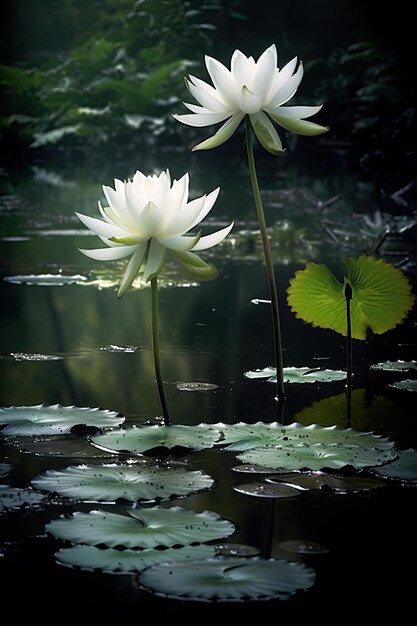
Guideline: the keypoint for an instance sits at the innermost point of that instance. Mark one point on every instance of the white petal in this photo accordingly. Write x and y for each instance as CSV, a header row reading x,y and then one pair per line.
x,y
242,69
135,200
286,91
155,260
266,133
104,229
212,240
208,203
175,200
223,134
264,78
186,218
150,219
180,243
249,102
109,254
206,95
117,202
222,80
299,112
201,119
132,269
104,213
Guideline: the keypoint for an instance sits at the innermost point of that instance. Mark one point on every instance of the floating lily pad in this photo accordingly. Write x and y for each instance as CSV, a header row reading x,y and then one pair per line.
x,y
23,356
124,349
137,440
46,280
243,436
228,578
299,375
265,490
236,549
141,528
395,366
43,419
404,468
408,385
311,481
316,457
14,498
130,482
251,469
111,560
63,446
303,546
4,469
197,386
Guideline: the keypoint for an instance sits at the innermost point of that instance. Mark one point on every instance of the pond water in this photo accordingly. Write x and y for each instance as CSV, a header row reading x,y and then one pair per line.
x,y
66,339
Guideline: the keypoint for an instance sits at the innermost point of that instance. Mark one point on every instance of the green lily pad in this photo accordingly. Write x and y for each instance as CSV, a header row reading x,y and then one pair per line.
x,y
316,457
243,436
336,483
228,578
274,491
130,482
395,366
111,560
408,385
137,440
299,375
141,528
46,280
43,419
404,468
14,498
381,296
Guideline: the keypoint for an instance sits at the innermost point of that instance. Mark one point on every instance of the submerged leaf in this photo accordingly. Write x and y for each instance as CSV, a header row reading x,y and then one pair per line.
x,y
14,498
137,440
43,419
303,546
312,481
265,490
4,469
381,296
111,560
228,578
130,482
316,457
243,436
141,528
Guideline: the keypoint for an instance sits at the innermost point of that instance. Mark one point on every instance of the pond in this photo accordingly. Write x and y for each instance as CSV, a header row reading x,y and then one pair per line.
x,y
66,339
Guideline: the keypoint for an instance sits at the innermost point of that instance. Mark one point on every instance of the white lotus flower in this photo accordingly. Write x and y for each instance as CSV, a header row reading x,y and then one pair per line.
x,y
258,89
147,217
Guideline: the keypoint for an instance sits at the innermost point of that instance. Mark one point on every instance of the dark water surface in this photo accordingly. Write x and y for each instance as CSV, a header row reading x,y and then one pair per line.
x,y
209,333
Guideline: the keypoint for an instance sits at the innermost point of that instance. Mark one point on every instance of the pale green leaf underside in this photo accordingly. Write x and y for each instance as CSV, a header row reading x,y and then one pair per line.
x,y
298,375
130,482
316,457
137,440
403,468
408,385
241,436
141,528
43,419
111,560
381,296
228,578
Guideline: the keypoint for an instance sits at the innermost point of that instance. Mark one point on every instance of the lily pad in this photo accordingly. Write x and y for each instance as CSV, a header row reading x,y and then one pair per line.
x,y
43,419
63,446
265,490
137,440
197,386
381,296
316,457
404,468
228,578
111,560
130,482
141,528
311,481
4,468
243,436
395,366
23,356
14,498
408,385
46,280
304,547
299,375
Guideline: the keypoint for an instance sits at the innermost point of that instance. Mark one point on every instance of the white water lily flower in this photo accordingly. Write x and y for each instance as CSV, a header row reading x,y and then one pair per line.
x,y
147,217
258,89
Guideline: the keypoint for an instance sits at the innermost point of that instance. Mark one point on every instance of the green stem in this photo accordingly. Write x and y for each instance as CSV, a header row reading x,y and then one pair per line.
x,y
268,262
156,356
348,296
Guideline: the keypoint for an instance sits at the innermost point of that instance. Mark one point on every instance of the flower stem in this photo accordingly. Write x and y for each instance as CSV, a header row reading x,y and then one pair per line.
x,y
348,296
268,262
156,356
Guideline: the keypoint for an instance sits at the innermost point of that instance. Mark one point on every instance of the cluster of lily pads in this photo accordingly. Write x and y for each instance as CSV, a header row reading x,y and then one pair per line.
x,y
151,540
